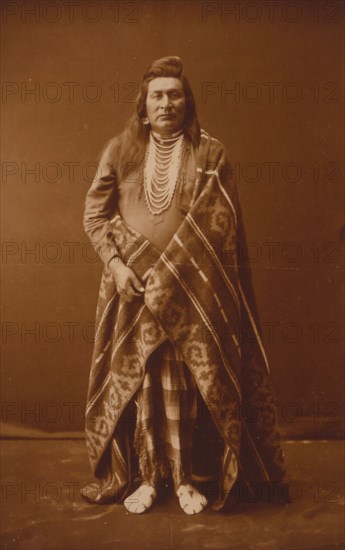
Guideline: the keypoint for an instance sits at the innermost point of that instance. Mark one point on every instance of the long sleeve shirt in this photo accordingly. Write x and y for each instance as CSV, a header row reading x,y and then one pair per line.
x,y
108,196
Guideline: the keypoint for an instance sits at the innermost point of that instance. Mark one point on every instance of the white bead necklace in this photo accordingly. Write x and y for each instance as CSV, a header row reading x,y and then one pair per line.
x,y
161,172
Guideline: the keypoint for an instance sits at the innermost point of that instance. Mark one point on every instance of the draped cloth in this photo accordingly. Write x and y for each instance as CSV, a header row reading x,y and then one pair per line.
x,y
198,295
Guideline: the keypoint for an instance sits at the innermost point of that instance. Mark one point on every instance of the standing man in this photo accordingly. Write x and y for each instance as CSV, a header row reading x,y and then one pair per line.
x,y
176,322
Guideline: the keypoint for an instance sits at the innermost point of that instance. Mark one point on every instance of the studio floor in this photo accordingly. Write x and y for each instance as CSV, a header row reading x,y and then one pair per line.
x,y
42,508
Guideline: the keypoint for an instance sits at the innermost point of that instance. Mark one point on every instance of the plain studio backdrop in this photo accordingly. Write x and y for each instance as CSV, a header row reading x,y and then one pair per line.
x,y
268,83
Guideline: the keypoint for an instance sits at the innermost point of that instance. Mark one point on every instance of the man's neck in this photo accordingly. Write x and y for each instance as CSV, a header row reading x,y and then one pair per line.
x,y
167,137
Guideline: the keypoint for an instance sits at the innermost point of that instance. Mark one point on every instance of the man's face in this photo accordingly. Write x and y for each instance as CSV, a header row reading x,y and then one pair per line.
x,y
166,105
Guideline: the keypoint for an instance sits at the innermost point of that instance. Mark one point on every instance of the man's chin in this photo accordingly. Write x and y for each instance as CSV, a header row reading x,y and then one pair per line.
x,y
166,126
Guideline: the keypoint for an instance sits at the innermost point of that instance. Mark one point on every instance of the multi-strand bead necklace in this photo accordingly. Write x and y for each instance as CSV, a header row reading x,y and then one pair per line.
x,y
161,171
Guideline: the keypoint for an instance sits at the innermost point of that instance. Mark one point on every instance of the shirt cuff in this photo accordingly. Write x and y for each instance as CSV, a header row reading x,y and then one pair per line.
x,y
112,258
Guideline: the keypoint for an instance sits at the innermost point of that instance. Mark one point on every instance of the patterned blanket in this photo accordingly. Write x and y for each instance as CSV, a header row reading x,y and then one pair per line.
x,y
199,295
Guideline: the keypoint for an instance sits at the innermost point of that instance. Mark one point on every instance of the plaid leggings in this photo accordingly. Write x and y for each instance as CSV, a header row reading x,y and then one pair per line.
x,y
166,415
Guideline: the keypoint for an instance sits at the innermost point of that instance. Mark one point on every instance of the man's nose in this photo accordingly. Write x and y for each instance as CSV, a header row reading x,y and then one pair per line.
x,y
165,103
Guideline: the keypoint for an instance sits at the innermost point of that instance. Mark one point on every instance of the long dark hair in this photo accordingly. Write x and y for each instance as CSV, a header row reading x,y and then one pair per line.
x,y
129,147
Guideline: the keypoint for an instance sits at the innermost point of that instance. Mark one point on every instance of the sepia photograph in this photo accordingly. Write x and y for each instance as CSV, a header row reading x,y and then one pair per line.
x,y
172,269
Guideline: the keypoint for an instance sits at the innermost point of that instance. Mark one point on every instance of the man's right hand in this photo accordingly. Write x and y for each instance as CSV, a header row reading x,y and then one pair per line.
x,y
127,283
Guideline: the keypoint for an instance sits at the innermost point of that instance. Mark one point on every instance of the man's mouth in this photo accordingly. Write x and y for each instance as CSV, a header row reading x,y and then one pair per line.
x,y
166,116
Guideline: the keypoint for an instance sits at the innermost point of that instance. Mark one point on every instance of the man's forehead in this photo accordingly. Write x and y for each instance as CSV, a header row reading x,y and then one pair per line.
x,y
164,83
